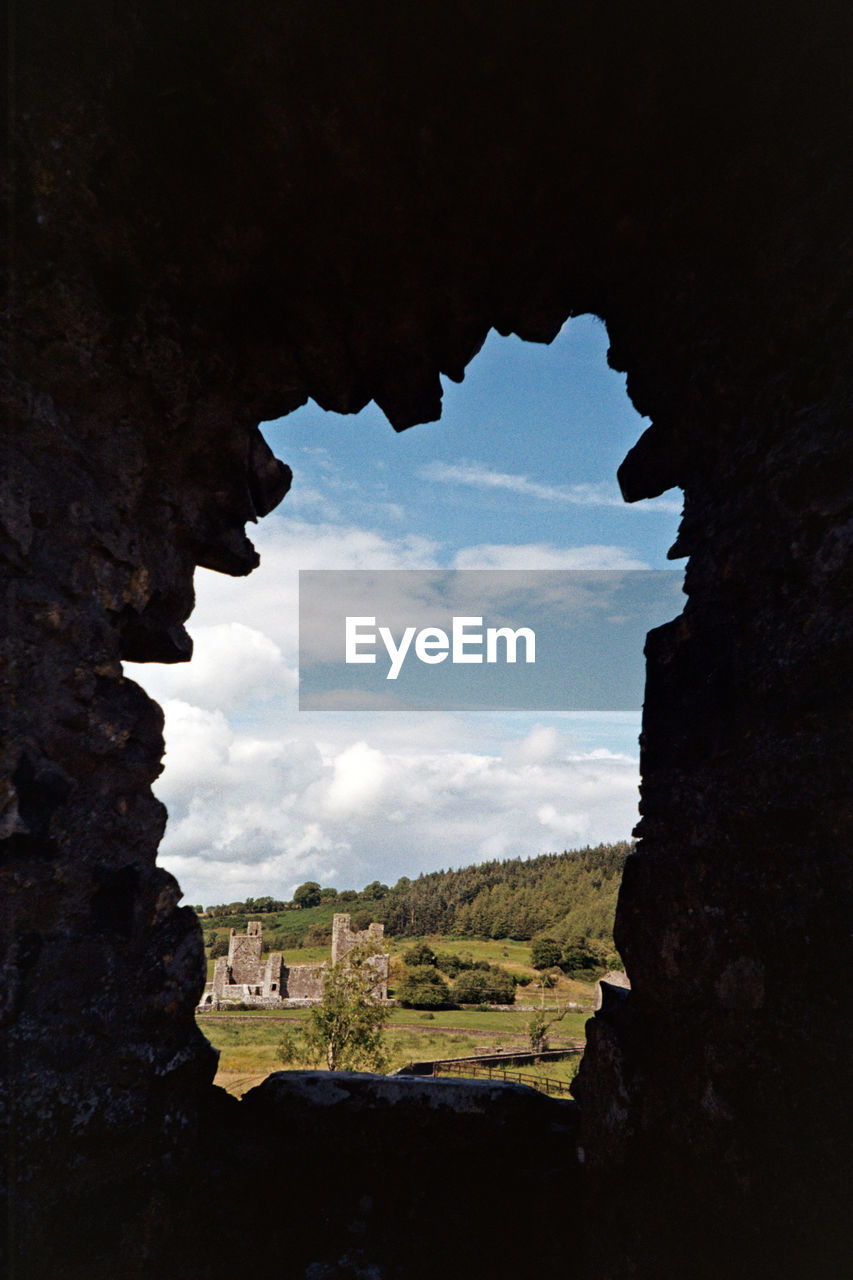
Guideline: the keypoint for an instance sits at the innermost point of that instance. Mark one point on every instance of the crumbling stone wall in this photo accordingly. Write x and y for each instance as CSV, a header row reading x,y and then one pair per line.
x,y
344,938
217,211
304,981
244,953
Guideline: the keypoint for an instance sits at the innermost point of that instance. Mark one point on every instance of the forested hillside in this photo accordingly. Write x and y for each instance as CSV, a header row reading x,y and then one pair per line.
x,y
572,895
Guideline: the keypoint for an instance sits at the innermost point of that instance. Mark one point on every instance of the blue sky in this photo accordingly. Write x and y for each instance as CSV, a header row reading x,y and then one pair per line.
x,y
526,452
520,473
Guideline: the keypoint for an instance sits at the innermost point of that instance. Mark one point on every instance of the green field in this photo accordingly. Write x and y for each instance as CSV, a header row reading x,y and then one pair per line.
x,y
247,1040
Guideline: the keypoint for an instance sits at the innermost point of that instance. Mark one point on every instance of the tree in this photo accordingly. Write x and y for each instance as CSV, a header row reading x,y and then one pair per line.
x,y
420,954
308,894
375,890
538,1026
476,986
452,964
423,988
545,953
346,1027
578,959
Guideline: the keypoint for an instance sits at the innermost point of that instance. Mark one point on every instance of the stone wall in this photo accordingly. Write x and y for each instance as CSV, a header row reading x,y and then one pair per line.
x,y
244,954
219,211
344,938
304,981
274,977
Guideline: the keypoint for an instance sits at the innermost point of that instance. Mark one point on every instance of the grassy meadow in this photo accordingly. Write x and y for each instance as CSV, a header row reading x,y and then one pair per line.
x,y
247,1041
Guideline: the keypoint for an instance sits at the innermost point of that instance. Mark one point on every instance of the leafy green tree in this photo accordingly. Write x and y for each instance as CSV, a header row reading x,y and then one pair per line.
x,y
545,953
476,986
308,894
420,954
346,1028
375,890
538,1026
423,988
451,964
578,959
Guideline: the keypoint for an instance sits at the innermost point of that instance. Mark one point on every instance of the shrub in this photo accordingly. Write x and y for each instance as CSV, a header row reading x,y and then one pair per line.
x,y
452,964
318,935
423,988
578,960
418,955
545,953
476,986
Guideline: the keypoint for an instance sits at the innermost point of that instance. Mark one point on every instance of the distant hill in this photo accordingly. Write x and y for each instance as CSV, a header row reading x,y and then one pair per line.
x,y
569,895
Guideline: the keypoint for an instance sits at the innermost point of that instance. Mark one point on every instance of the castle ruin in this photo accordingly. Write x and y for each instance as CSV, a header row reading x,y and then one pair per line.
x,y
243,975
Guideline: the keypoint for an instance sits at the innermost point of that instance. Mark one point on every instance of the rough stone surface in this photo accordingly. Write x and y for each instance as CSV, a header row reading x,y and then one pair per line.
x,y
217,210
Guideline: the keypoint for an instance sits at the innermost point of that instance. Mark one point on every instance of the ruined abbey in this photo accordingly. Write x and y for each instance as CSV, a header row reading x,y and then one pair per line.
x,y
243,975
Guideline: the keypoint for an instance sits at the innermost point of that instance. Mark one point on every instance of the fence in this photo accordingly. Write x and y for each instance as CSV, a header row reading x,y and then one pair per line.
x,y
554,1088
496,1066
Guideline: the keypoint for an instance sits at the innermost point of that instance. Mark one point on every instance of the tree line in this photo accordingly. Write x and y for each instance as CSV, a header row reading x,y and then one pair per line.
x,y
571,895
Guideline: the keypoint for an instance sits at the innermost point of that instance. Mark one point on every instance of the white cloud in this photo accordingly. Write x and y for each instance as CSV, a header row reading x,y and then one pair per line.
x,y
231,662
357,784
543,555
262,797
539,746
478,476
252,815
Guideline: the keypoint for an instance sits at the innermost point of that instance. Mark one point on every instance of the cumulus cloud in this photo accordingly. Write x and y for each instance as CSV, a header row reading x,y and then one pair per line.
x,y
251,815
262,797
231,662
